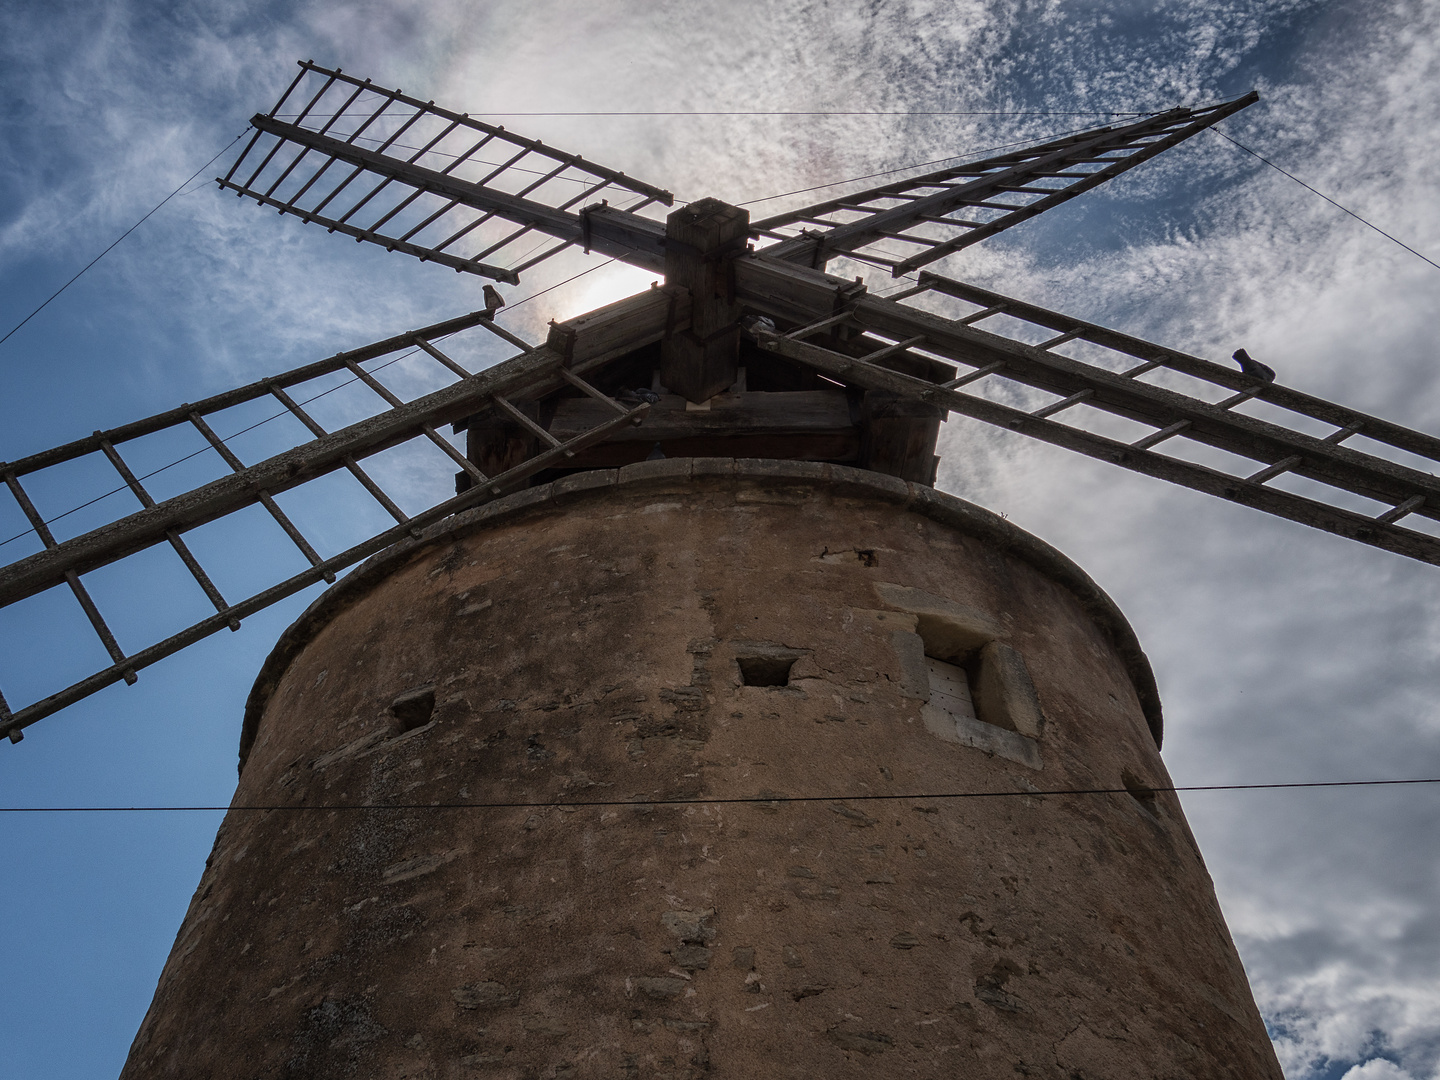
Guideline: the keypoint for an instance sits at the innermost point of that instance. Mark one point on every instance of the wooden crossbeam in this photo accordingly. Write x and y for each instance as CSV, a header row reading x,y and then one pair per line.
x,y
582,343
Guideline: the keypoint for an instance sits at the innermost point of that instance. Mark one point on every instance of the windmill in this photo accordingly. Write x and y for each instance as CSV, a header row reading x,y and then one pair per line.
x,y
748,351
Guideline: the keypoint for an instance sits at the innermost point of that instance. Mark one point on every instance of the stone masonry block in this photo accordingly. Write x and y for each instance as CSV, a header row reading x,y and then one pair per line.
x,y
568,487
948,629
1004,692
641,472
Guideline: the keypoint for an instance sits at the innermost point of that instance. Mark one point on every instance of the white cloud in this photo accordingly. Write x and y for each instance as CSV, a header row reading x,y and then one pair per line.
x,y
1377,1069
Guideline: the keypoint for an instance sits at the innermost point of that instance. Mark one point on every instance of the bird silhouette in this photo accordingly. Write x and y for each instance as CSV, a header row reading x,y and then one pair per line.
x,y
493,301
1253,367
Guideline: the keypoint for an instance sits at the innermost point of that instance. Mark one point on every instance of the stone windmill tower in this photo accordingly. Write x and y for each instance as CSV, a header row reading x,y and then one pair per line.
x,y
698,733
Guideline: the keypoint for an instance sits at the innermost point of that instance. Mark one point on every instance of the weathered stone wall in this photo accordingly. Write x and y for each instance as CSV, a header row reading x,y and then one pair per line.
x,y
583,644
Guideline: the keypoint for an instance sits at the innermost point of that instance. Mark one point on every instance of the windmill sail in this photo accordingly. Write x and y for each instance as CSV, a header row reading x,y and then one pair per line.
x,y
389,169
1343,490
939,213
533,372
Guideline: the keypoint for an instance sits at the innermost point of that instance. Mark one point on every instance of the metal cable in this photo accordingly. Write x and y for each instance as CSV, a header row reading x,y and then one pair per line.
x,y
1327,198
122,236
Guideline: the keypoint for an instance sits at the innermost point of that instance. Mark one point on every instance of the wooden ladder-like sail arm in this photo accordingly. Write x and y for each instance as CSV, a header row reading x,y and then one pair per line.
x,y
587,344
859,347
388,169
603,229
941,212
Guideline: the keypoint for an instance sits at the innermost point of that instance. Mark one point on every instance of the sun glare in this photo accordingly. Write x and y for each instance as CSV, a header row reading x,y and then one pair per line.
x,y
603,286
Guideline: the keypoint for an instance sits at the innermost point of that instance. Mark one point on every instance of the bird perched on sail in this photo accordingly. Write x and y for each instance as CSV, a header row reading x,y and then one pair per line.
x,y
1248,365
493,301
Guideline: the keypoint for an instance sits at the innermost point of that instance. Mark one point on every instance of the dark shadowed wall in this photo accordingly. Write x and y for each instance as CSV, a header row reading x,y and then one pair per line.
x,y
708,696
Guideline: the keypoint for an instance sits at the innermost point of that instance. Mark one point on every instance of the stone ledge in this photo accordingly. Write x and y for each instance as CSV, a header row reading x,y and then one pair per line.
x,y
663,469
570,487
840,479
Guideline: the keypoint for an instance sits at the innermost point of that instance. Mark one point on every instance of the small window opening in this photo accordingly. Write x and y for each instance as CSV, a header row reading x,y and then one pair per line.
x,y
413,708
765,670
966,706
1145,796
950,688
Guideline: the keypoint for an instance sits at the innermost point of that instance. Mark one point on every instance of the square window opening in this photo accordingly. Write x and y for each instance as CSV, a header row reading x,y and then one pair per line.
x,y
950,688
413,709
765,670
1146,797
966,687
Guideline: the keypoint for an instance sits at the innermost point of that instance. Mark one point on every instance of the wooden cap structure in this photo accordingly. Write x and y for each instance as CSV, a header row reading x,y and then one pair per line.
x,y
707,767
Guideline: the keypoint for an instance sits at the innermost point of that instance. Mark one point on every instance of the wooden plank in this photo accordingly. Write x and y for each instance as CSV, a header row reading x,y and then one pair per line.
x,y
789,293
626,324
801,412
841,447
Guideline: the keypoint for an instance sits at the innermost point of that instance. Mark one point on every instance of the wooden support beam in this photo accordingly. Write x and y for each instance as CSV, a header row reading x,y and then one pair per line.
x,y
748,413
842,447
899,436
702,241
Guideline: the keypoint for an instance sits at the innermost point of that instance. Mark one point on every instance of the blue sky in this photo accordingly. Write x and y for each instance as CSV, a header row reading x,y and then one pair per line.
x,y
1282,654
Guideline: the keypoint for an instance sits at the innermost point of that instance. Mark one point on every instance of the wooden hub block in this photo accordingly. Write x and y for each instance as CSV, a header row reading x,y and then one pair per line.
x,y
701,240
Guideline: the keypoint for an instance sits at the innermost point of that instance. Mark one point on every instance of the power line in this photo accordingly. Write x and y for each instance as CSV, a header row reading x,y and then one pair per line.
x,y
800,112
737,800
905,168
122,236
1327,198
